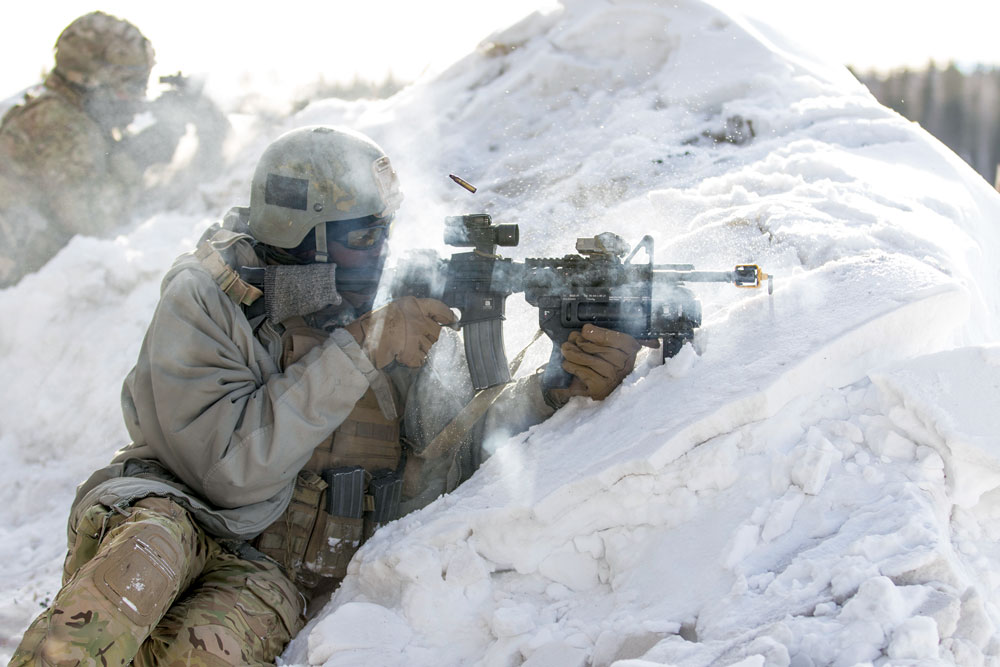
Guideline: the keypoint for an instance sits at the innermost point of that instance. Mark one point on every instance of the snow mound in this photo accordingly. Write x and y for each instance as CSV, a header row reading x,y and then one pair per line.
x,y
754,500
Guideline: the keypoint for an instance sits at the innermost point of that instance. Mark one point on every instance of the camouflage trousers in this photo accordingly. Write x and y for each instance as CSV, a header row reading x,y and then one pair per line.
x,y
154,589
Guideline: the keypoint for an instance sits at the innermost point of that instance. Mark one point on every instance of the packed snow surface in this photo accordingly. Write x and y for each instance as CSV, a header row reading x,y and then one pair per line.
x,y
813,482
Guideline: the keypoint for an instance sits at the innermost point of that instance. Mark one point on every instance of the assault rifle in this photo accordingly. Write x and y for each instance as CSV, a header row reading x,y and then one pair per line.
x,y
182,84
645,300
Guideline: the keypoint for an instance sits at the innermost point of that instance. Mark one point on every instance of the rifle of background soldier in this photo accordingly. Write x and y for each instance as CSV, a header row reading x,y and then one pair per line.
x,y
645,300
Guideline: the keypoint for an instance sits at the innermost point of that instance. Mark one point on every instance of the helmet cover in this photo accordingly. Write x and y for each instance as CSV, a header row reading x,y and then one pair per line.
x,y
318,174
98,50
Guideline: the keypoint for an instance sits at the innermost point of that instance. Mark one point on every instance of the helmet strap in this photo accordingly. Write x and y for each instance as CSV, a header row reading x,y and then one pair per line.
x,y
322,255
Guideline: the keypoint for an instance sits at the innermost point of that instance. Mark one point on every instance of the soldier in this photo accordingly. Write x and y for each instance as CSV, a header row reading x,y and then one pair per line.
x,y
276,422
67,164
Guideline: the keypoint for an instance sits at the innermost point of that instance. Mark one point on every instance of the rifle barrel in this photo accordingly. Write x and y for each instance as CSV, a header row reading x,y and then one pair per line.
x,y
699,276
744,275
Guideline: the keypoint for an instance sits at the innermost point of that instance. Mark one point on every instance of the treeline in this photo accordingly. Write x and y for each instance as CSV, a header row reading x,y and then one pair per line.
x,y
961,109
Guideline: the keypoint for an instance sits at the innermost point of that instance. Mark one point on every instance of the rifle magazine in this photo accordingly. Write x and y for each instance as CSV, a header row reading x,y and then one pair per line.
x,y
484,350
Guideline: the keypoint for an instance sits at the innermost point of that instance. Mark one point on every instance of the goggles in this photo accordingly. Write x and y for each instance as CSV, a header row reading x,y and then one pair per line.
x,y
361,233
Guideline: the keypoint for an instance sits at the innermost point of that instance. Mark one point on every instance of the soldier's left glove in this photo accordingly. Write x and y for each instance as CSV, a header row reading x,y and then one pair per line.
x,y
598,359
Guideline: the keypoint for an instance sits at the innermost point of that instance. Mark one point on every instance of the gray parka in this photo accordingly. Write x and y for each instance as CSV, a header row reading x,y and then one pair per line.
x,y
216,425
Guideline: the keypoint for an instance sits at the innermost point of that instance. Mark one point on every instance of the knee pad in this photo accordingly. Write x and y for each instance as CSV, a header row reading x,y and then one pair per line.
x,y
141,575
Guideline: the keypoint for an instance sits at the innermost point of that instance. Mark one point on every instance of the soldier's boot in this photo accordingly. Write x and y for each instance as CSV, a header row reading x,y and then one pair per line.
x,y
239,612
110,603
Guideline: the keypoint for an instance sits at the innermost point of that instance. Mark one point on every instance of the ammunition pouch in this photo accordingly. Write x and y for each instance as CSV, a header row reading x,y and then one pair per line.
x,y
386,491
287,539
328,519
343,525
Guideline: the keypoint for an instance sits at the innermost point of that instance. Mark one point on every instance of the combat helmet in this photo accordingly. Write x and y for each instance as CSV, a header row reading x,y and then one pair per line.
x,y
315,175
99,50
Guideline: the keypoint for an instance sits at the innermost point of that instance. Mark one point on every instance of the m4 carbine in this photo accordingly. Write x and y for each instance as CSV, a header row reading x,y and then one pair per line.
x,y
597,286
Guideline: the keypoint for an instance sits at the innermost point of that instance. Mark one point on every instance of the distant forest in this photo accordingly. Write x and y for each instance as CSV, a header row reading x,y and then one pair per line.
x,y
961,109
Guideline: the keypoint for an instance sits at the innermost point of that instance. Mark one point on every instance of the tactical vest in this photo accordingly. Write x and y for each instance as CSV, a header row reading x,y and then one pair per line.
x,y
349,487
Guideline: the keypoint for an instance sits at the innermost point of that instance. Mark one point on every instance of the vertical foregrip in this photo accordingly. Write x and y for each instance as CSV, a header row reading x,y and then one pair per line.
x,y
485,353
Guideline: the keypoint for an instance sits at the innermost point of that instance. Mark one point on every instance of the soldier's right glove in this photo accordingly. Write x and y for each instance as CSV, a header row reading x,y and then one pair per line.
x,y
402,330
598,359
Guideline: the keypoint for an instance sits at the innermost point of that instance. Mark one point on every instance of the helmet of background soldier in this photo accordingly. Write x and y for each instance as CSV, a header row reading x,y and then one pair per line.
x,y
98,50
318,174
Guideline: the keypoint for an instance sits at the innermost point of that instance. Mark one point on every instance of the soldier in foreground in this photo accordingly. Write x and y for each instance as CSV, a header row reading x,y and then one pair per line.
x,y
68,165
276,420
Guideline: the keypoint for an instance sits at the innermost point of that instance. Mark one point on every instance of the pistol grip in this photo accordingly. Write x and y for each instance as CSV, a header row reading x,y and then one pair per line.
x,y
554,377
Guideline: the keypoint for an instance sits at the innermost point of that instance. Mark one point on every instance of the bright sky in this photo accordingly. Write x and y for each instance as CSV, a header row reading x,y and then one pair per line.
x,y
296,40
888,33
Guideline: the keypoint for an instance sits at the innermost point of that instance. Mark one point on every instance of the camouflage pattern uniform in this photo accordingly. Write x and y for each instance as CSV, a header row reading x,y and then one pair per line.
x,y
227,429
66,165
60,174
240,611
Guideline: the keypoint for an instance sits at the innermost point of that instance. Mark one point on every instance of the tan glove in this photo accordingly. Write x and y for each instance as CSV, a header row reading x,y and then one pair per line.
x,y
599,359
402,330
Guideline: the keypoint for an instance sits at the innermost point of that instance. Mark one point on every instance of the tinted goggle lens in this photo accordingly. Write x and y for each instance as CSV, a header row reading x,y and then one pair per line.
x,y
364,237
369,237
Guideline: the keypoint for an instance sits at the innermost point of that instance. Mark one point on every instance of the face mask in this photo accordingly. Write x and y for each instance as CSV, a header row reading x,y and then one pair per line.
x,y
111,110
299,289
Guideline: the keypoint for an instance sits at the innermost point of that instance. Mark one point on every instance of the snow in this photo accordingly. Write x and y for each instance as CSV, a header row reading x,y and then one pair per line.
x,y
816,481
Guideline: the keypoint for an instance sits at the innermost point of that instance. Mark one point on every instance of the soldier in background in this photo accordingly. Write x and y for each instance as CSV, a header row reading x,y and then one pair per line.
x,y
68,165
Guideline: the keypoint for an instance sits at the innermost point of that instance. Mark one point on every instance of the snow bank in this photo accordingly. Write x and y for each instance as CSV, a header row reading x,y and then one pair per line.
x,y
814,482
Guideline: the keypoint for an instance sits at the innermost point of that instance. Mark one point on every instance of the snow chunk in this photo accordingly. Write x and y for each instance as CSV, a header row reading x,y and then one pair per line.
x,y
359,628
937,399
915,638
